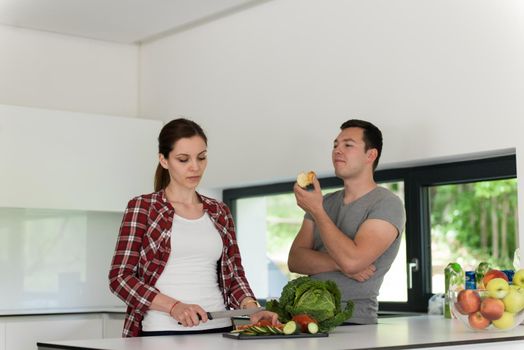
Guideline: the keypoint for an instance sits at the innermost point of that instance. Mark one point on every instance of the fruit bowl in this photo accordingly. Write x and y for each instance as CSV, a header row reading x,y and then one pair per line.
x,y
494,310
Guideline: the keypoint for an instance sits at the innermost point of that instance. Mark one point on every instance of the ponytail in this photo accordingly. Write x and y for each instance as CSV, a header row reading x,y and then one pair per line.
x,y
161,178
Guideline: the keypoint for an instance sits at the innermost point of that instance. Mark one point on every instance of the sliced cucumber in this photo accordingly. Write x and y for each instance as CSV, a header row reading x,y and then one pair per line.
x,y
290,327
272,330
312,327
259,330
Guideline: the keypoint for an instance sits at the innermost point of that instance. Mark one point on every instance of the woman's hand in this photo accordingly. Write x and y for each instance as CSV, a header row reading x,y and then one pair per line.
x,y
188,314
250,303
265,315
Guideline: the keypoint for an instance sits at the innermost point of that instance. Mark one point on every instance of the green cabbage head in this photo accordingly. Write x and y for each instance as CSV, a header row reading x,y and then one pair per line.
x,y
318,299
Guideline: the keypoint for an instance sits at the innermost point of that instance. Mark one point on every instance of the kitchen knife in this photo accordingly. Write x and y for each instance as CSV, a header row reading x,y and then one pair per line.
x,y
231,313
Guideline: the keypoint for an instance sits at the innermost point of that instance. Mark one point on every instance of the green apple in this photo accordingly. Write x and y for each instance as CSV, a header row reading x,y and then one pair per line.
x,y
518,278
517,288
497,288
491,274
506,321
513,301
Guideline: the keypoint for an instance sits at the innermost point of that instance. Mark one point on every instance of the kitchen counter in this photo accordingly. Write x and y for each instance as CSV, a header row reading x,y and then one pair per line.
x,y
414,332
63,311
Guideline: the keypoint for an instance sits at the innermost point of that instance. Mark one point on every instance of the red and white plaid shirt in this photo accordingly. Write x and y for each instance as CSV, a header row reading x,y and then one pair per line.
x,y
144,245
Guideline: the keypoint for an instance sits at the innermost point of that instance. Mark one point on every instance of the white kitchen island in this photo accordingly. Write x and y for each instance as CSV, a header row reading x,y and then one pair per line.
x,y
415,332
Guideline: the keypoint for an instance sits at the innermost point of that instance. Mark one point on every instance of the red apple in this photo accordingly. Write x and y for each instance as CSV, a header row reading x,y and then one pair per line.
x,y
493,274
469,301
459,309
477,321
492,308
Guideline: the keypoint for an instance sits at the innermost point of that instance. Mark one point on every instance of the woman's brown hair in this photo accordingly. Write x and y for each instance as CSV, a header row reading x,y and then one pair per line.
x,y
172,132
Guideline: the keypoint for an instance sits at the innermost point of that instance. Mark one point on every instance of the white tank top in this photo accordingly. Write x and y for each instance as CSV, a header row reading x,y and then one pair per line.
x,y
190,274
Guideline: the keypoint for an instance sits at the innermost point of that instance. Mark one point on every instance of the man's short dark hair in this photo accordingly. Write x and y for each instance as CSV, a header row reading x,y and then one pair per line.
x,y
372,135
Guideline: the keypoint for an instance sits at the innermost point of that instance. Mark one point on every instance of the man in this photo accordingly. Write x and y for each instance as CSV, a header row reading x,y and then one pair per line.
x,y
353,235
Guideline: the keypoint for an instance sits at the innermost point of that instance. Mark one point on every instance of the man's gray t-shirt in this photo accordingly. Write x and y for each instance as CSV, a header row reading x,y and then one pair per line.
x,y
379,203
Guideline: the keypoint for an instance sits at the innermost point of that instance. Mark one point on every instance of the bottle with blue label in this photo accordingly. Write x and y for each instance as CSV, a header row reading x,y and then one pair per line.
x,y
470,280
509,274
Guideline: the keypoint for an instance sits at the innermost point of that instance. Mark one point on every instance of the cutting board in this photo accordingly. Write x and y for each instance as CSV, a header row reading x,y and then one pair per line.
x,y
239,336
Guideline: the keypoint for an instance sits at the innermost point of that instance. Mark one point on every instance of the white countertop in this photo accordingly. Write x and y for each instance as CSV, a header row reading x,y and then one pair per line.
x,y
390,333
63,311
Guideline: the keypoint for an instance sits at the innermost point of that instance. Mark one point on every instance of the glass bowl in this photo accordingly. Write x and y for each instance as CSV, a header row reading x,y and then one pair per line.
x,y
489,311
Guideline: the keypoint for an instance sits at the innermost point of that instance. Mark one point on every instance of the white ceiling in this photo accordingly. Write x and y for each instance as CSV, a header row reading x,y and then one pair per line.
x,y
123,21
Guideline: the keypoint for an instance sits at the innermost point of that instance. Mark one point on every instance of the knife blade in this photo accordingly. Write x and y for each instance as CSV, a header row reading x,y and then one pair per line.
x,y
231,313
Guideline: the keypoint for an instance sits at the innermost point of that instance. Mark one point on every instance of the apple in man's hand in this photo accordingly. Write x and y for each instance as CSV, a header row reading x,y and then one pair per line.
x,y
498,288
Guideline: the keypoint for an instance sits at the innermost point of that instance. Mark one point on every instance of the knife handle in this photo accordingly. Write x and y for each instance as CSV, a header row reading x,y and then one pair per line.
x,y
209,317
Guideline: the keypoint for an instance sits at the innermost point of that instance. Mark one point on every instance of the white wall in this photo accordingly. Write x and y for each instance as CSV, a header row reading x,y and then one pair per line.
x,y
272,85
46,70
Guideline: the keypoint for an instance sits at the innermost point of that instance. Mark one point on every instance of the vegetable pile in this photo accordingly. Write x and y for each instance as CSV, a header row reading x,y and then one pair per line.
x,y
299,323
318,300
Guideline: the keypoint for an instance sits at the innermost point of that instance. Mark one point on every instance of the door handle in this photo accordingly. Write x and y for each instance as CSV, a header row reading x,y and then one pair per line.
x,y
412,267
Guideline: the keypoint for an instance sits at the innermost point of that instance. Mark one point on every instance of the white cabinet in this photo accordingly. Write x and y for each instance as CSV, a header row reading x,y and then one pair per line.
x,y
25,332
113,324
2,336
66,160
66,177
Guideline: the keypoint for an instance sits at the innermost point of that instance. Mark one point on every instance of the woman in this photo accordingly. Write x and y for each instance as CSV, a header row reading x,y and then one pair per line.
x,y
176,256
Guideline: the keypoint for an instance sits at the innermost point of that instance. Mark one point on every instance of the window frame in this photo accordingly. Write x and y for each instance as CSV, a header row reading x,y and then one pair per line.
x,y
416,200
460,172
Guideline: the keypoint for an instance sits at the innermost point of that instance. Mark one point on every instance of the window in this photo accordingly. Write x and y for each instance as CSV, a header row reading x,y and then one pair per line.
x,y
462,211
471,223
273,220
